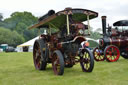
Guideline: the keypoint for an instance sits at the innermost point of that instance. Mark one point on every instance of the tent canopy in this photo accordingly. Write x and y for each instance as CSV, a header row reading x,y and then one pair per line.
x,y
29,43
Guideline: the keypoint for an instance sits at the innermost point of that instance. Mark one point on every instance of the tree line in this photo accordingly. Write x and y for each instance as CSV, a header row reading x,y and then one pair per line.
x,y
14,30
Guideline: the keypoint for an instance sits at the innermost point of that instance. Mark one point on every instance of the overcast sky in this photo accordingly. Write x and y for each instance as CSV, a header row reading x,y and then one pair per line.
x,y
113,9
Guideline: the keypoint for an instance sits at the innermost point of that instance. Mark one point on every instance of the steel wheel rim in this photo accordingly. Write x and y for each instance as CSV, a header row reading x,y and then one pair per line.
x,y
85,62
112,53
56,64
37,56
97,55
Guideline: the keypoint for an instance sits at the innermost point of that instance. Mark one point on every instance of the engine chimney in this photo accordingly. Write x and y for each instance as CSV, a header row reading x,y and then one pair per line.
x,y
104,25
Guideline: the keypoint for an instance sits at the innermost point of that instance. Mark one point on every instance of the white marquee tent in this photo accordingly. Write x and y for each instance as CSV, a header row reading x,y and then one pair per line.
x,y
28,44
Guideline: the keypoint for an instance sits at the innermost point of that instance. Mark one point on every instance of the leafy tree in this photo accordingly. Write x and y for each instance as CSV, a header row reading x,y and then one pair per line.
x,y
20,27
10,37
20,21
95,35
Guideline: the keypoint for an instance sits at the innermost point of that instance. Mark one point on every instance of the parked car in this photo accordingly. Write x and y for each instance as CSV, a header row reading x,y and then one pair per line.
x,y
10,49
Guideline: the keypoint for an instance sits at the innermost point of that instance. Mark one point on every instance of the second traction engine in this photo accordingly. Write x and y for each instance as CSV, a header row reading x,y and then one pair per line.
x,y
114,42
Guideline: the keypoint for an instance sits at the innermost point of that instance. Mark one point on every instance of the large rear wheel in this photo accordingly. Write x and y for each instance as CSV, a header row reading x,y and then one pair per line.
x,y
38,56
98,54
111,53
58,63
86,60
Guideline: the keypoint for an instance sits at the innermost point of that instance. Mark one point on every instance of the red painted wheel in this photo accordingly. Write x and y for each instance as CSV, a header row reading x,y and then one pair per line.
x,y
111,53
39,62
58,63
98,54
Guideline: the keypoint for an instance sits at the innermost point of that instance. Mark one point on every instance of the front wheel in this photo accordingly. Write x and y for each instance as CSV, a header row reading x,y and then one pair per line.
x,y
111,53
58,63
86,60
98,54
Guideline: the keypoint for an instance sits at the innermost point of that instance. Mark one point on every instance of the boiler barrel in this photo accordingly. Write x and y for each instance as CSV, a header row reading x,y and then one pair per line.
x,y
119,42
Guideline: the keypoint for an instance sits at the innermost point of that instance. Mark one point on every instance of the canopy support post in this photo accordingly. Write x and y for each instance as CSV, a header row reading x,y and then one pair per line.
x,y
68,32
88,24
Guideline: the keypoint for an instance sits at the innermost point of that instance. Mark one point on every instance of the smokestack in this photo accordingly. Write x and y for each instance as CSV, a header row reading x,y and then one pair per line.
x,y
104,25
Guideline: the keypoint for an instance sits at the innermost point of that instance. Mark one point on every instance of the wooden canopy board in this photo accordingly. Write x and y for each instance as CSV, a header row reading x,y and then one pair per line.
x,y
58,19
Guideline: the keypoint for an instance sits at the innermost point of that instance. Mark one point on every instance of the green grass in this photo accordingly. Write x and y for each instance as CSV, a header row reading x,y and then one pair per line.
x,y
18,69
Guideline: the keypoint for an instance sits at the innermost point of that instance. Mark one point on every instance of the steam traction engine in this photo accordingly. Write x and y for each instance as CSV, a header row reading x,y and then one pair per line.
x,y
114,42
61,44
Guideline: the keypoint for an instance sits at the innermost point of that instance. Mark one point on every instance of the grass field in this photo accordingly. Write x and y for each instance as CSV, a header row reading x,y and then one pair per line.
x,y
18,69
